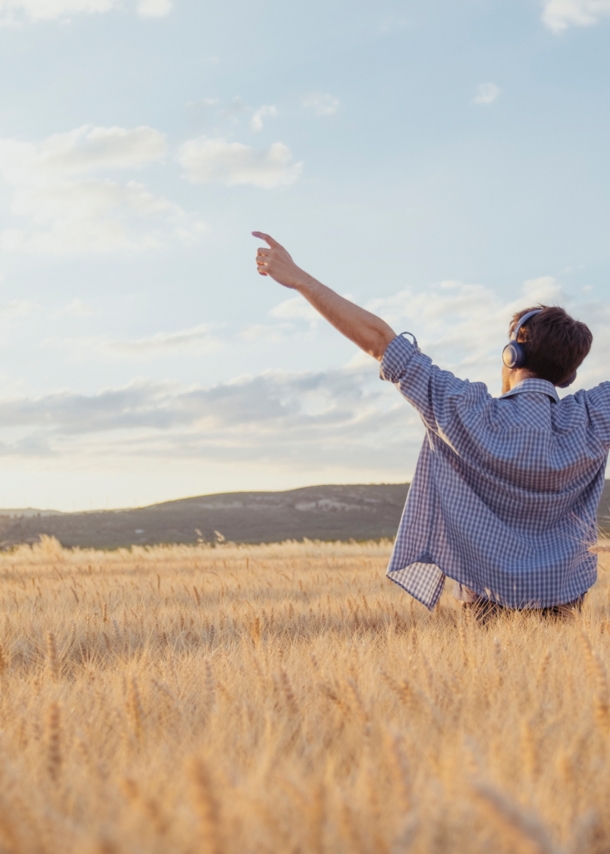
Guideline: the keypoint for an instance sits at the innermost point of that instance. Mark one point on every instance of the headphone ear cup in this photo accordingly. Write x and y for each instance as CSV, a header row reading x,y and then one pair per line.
x,y
513,355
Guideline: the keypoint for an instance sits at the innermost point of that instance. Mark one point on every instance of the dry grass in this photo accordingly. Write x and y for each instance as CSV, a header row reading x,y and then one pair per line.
x,y
289,699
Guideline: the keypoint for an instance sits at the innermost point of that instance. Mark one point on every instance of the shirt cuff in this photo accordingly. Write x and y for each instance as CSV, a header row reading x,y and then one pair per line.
x,y
397,356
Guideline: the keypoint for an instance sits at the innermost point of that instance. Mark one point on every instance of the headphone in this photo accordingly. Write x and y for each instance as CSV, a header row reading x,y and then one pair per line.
x,y
513,354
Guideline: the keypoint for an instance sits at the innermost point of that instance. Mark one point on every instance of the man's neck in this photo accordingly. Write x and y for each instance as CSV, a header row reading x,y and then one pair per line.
x,y
512,378
517,376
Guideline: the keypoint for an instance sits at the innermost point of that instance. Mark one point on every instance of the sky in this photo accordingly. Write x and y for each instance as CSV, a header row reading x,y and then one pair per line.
x,y
442,164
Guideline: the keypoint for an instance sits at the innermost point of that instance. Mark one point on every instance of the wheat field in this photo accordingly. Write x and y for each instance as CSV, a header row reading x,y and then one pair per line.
x,y
288,698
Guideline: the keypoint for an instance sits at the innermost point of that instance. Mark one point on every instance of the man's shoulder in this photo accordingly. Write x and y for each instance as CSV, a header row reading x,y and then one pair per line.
x,y
598,395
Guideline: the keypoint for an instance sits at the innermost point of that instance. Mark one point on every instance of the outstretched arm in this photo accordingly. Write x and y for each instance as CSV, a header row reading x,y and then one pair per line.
x,y
369,332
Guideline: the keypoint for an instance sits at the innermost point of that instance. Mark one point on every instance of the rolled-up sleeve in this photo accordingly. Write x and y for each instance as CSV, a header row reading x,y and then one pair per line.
x,y
433,392
396,358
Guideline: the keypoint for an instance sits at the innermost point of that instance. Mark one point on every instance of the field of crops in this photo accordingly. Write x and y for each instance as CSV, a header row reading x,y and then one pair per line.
x,y
288,698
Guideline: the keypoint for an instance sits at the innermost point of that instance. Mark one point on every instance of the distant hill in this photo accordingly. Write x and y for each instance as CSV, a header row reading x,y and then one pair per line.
x,y
316,512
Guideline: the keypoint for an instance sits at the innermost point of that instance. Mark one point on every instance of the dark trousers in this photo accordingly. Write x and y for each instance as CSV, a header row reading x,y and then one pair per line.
x,y
483,610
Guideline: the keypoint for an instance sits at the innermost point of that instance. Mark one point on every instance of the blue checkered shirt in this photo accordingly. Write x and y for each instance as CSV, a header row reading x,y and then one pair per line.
x,y
505,492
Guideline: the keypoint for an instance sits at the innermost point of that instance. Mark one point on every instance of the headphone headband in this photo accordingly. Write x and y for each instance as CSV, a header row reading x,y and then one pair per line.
x,y
522,321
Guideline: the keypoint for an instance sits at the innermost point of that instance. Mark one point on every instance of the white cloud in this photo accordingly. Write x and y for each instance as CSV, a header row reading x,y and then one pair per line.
x,y
256,122
558,15
63,205
283,418
18,11
274,334
218,119
18,308
80,151
295,308
207,160
75,308
322,104
154,8
296,316
197,337
196,340
487,93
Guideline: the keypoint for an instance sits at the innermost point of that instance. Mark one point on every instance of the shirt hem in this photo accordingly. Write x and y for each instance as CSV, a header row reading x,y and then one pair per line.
x,y
413,595
431,606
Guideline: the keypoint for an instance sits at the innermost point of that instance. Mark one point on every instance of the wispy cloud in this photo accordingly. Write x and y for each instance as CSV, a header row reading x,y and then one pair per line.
x,y
256,122
220,118
207,160
154,8
559,15
75,308
197,337
487,93
295,315
322,104
80,151
295,308
62,204
18,308
270,333
284,419
17,11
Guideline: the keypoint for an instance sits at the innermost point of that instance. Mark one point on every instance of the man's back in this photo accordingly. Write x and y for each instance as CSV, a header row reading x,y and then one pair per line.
x,y
505,495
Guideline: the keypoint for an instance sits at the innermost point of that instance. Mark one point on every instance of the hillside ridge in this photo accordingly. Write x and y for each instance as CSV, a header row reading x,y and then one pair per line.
x,y
326,512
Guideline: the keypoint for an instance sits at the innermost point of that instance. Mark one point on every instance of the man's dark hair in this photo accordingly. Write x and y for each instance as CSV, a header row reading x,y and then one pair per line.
x,y
555,344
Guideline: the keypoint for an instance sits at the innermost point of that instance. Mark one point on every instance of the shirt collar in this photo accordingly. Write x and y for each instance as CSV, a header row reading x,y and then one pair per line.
x,y
534,385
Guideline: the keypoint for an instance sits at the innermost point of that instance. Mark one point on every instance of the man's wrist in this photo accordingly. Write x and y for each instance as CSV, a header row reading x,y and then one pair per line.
x,y
305,283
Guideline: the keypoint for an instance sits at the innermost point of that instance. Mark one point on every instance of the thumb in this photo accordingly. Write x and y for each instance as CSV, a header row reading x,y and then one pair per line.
x,y
268,239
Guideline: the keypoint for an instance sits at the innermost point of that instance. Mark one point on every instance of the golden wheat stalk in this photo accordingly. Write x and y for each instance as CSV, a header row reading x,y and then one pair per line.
x,y
53,740
597,674
52,657
529,750
208,809
288,691
4,659
134,710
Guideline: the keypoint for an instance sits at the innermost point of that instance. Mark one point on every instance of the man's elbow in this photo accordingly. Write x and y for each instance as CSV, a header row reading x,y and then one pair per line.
x,y
380,343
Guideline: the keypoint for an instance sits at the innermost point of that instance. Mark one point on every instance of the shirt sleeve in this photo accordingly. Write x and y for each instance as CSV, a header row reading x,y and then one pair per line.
x,y
598,405
436,394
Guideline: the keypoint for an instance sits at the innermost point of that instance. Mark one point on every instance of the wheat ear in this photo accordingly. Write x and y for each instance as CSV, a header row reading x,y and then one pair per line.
x,y
52,657
291,700
53,732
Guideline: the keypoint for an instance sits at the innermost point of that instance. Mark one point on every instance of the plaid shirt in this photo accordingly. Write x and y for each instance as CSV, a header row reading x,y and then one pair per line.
x,y
505,492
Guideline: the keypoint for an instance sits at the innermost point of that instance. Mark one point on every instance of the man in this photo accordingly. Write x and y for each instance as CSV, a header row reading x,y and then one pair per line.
x,y
505,493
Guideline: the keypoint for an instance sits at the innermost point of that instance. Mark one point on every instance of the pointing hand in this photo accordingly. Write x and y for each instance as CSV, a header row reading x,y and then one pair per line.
x,y
273,260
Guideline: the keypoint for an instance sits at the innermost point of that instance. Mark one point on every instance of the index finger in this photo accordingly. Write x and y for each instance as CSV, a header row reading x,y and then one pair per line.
x,y
268,239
